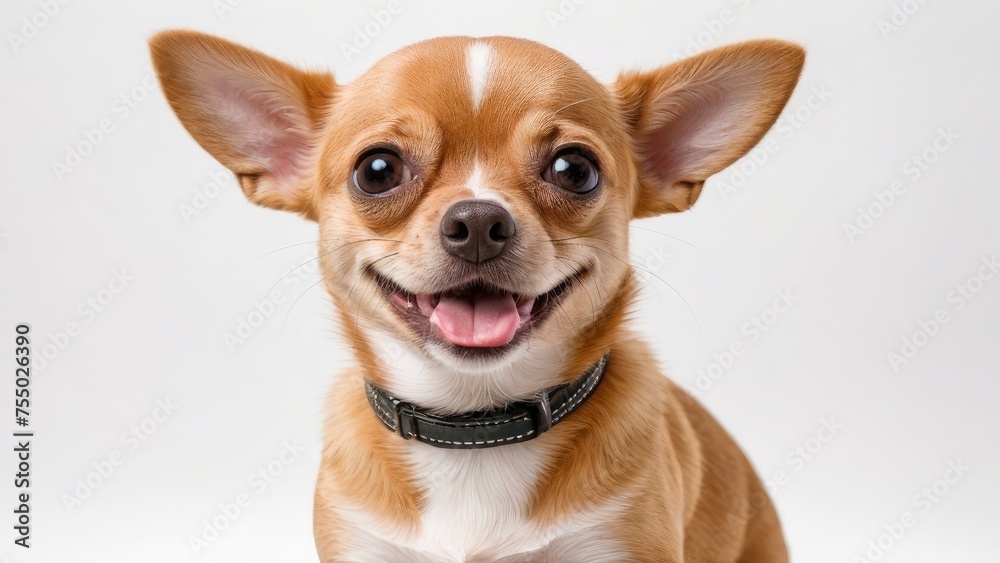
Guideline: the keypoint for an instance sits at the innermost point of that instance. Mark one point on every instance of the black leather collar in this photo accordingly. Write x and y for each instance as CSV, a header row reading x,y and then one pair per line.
x,y
516,422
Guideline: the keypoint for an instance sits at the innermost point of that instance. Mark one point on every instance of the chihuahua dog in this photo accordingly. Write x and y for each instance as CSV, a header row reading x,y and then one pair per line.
x,y
473,198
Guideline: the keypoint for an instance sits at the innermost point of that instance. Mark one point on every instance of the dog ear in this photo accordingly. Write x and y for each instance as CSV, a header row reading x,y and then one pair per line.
x,y
694,118
257,116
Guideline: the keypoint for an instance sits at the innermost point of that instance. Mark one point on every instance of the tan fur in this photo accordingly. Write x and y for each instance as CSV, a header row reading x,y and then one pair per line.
x,y
690,493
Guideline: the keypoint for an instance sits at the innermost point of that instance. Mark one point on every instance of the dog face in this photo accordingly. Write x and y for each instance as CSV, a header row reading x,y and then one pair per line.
x,y
473,195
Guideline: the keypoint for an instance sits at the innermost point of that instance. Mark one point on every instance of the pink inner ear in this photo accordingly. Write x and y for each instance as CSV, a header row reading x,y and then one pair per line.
x,y
690,130
265,127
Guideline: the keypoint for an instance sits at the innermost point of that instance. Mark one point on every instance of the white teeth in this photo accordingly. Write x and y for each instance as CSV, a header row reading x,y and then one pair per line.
x,y
436,331
427,303
403,302
524,307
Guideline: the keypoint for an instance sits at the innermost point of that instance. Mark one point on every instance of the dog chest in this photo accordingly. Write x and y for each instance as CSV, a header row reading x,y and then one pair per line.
x,y
477,501
476,505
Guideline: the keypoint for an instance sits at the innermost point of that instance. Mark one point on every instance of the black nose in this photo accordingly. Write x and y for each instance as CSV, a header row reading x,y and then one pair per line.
x,y
476,230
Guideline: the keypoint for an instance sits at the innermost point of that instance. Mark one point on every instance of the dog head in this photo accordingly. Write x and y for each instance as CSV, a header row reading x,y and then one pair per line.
x,y
473,195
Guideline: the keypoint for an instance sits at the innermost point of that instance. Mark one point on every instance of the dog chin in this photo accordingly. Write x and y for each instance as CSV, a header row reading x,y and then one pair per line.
x,y
435,377
478,360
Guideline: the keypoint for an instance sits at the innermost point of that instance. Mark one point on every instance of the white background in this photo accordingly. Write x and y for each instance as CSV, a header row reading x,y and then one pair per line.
x,y
887,94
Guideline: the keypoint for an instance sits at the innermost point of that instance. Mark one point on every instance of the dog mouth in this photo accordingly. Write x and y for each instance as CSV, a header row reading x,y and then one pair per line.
x,y
474,317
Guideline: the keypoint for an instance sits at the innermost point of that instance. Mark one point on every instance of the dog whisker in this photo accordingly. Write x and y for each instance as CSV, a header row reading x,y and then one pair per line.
x,y
573,274
361,275
321,280
690,309
357,312
266,254
576,276
309,261
571,104
281,332
680,240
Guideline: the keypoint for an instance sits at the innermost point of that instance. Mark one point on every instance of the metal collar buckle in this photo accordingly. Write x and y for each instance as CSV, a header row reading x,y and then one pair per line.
x,y
405,423
541,411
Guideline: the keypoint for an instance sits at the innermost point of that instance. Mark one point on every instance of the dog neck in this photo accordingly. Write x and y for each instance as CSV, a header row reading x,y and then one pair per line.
x,y
510,424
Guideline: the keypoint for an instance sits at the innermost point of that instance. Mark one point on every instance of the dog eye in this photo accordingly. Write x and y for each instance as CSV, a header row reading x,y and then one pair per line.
x,y
572,170
380,171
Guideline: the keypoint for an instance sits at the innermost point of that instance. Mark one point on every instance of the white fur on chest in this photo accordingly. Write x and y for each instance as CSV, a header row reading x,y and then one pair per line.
x,y
476,510
478,500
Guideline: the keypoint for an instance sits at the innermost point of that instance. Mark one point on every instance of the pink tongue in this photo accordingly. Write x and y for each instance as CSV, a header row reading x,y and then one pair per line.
x,y
480,320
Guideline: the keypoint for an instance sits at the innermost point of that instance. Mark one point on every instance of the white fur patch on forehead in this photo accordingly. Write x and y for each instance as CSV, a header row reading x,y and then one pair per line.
x,y
478,60
477,184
